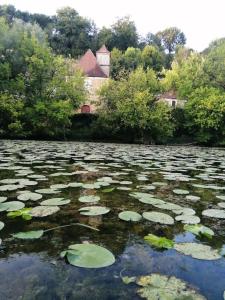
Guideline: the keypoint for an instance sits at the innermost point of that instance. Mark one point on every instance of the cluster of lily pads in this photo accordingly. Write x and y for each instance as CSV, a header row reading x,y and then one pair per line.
x,y
140,174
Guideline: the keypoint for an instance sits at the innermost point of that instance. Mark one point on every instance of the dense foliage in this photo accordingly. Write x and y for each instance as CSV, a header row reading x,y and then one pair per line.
x,y
40,89
38,94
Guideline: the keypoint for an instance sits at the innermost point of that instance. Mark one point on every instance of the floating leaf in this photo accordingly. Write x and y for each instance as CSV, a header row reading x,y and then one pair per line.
x,y
221,204
158,217
94,210
3,199
24,213
159,242
109,190
11,206
193,198
55,202
47,191
199,229
161,287
128,280
2,225
43,211
89,199
26,196
35,234
214,213
186,219
180,192
89,256
221,197
130,216
198,251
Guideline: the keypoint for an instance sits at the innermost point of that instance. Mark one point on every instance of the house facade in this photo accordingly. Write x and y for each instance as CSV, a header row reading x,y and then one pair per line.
x,y
96,70
172,100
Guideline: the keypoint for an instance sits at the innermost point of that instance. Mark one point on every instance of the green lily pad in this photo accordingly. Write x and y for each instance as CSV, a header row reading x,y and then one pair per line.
x,y
127,279
198,251
109,190
10,187
199,229
89,256
180,192
193,198
159,242
158,217
24,213
3,199
43,211
186,219
214,213
2,225
221,197
75,184
130,216
161,287
26,196
221,204
93,210
11,206
55,202
89,199
35,234
47,191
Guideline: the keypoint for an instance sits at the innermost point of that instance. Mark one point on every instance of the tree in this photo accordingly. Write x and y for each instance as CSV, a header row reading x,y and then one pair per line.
x,y
124,34
171,38
151,57
205,111
105,37
72,34
215,64
131,104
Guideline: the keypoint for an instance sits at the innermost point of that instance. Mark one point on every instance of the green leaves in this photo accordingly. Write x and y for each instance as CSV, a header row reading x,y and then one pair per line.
x,y
159,242
199,230
88,256
24,213
36,234
93,210
198,251
130,216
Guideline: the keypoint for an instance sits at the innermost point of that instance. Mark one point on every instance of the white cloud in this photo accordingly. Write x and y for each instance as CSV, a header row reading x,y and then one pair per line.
x,y
201,20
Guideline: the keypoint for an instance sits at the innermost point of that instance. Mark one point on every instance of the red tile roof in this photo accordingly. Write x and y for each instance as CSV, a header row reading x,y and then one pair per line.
x,y
88,64
103,49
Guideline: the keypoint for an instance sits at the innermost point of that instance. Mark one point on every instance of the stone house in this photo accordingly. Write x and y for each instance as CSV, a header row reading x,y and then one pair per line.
x,y
96,70
172,100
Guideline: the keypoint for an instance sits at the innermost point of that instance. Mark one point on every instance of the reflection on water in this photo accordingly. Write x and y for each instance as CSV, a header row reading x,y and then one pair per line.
x,y
32,269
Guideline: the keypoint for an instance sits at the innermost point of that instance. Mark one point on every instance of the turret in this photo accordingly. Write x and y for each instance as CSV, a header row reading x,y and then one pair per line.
x,y
103,59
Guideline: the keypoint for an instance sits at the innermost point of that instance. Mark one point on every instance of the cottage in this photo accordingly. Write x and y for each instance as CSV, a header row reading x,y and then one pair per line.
x,y
172,100
96,70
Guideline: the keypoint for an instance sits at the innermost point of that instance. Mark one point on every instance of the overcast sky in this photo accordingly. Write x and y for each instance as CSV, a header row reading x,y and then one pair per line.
x,y
201,20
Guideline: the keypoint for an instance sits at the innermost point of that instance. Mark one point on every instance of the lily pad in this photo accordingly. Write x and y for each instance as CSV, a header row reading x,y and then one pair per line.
x,y
214,213
158,217
159,242
36,234
161,287
130,216
198,251
199,229
89,199
55,202
11,206
47,191
26,196
3,199
2,225
94,210
43,211
88,256
186,219
180,192
24,213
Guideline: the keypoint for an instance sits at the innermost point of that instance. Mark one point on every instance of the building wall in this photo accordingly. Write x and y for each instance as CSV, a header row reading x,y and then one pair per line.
x,y
173,102
93,84
103,60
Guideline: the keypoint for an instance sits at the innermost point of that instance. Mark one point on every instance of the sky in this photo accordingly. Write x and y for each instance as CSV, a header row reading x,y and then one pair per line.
x,y
201,20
